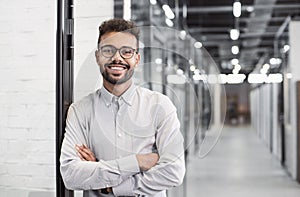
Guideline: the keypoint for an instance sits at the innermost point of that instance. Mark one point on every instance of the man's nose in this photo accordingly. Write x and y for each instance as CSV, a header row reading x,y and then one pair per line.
x,y
117,56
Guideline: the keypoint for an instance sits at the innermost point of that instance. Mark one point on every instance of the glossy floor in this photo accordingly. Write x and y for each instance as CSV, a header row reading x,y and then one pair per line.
x,y
240,165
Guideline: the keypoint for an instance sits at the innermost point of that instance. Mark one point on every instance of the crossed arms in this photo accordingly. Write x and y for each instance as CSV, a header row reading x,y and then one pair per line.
x,y
145,161
144,174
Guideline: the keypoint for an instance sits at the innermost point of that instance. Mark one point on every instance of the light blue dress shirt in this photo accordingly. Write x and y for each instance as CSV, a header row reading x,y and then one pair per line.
x,y
116,129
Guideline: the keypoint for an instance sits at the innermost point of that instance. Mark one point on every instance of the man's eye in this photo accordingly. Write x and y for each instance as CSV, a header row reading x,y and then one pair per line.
x,y
107,50
127,51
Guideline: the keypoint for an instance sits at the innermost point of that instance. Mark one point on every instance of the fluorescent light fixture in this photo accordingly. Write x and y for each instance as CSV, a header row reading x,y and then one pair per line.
x,y
192,68
169,22
286,48
179,71
222,78
182,34
127,10
274,78
197,71
234,61
263,71
257,78
235,78
176,79
237,67
234,34
235,71
266,66
275,61
235,50
289,75
168,12
198,77
237,9
198,45
153,2
250,8
158,61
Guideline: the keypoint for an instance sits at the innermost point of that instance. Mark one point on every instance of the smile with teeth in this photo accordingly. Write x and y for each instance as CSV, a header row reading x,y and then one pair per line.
x,y
116,68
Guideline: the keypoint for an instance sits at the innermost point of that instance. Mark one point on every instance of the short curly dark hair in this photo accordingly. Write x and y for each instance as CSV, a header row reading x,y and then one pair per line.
x,y
118,25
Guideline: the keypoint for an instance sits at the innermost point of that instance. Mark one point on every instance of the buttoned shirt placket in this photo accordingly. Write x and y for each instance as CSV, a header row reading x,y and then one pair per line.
x,y
116,106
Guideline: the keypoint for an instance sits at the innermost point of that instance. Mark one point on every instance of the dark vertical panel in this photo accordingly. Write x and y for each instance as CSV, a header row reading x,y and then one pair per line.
x,y
298,130
64,81
118,8
281,121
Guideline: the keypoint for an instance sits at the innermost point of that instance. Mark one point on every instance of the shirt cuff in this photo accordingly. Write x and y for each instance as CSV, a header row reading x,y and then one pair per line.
x,y
128,165
125,188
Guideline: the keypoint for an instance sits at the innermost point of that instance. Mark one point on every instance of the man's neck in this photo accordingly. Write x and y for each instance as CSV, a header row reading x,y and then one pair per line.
x,y
117,89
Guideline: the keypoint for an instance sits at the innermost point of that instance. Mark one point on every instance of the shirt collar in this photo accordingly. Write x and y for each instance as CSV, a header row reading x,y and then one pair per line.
x,y
127,96
107,96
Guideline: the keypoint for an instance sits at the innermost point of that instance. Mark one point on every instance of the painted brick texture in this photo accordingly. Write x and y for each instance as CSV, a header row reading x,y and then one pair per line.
x,y
27,85
27,88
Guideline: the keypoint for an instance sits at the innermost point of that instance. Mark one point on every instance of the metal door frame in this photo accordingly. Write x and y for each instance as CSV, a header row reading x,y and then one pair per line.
x,y
64,80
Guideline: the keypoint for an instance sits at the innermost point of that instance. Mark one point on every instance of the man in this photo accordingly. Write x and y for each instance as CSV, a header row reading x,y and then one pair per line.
x,y
122,140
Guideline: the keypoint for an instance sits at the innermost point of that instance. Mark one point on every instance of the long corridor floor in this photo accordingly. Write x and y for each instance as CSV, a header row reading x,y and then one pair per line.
x,y
240,165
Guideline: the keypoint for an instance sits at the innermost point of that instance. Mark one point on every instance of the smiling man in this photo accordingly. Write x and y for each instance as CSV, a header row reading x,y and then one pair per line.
x,y
122,140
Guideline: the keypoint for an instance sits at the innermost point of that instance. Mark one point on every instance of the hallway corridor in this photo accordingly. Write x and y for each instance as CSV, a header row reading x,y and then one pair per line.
x,y
239,166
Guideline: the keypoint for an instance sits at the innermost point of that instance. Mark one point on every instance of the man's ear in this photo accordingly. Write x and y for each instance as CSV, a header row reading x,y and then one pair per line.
x,y
97,56
137,59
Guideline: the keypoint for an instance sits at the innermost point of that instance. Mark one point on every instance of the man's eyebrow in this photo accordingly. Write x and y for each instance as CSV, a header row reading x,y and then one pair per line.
x,y
128,46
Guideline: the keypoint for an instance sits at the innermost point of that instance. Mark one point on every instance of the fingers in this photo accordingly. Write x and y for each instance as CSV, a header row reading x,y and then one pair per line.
x,y
79,155
84,153
87,150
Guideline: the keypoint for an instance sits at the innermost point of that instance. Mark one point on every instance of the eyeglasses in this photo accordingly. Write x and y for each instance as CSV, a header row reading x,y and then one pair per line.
x,y
125,52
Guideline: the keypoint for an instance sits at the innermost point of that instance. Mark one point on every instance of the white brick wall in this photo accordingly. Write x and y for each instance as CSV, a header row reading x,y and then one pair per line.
x,y
27,85
27,88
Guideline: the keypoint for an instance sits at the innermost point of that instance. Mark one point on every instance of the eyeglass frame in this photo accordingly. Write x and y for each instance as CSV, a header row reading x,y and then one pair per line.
x,y
135,51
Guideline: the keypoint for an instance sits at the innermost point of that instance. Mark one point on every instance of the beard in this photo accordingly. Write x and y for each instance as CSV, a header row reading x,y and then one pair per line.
x,y
109,77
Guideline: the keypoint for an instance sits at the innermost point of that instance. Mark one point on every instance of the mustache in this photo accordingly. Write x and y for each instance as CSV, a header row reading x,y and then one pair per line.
x,y
120,63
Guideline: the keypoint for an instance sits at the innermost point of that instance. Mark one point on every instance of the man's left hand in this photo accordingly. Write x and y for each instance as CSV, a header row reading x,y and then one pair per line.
x,y
85,153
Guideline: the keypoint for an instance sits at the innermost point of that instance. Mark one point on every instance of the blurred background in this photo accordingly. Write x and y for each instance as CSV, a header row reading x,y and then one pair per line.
x,y
230,67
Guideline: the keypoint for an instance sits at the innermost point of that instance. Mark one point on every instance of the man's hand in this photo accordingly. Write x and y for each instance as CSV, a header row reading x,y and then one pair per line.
x,y
147,161
85,153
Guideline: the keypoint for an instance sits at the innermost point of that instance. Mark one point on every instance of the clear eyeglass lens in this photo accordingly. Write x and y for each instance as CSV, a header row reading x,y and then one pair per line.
x,y
126,52
109,51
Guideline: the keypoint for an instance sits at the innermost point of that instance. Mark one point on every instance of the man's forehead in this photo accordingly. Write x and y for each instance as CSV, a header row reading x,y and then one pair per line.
x,y
118,39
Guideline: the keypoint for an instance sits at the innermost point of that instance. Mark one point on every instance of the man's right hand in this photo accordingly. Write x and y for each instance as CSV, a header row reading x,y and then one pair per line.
x,y
147,161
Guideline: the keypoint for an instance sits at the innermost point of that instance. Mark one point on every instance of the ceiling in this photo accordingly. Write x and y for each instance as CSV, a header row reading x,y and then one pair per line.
x,y
261,21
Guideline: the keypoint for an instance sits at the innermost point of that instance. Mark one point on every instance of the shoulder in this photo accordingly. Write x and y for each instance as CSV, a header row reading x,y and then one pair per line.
x,y
86,103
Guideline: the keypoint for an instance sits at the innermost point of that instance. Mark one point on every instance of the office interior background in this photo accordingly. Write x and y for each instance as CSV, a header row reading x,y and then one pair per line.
x,y
230,67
